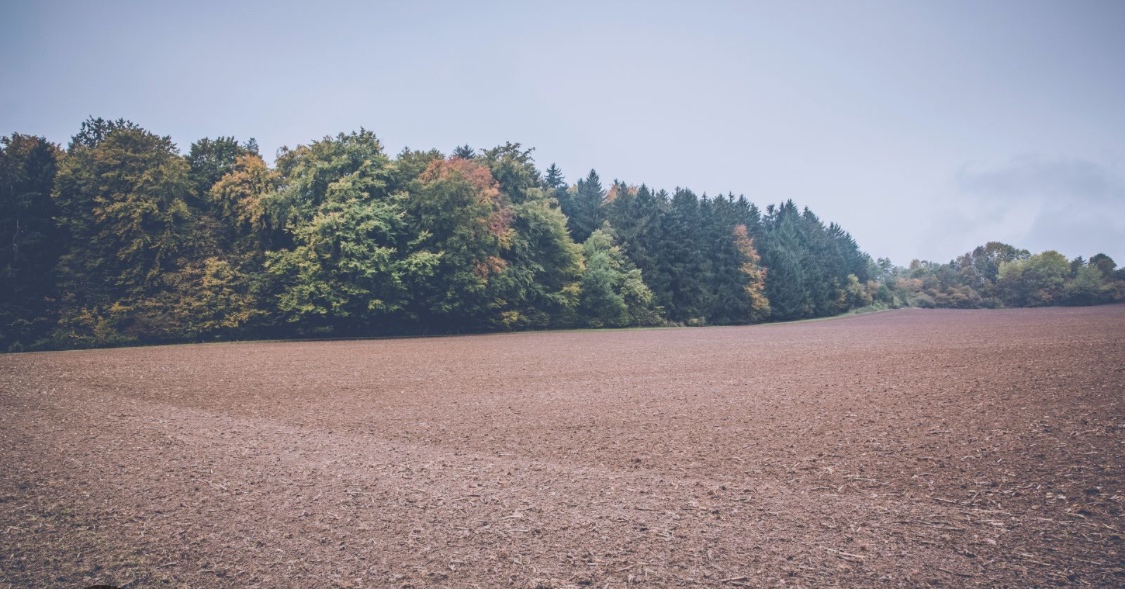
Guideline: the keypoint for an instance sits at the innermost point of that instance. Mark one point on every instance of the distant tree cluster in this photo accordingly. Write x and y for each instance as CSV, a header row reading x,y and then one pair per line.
x,y
122,239
999,275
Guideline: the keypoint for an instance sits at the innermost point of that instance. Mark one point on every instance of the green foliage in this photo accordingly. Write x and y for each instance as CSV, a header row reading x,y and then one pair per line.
x,y
554,179
308,172
211,159
540,286
682,260
809,264
997,274
122,202
514,171
1104,264
237,201
345,264
30,242
583,207
1036,281
346,271
637,216
459,215
136,243
613,291
1088,287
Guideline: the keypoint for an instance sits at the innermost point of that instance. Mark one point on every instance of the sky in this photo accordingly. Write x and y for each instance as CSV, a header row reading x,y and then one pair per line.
x,y
924,128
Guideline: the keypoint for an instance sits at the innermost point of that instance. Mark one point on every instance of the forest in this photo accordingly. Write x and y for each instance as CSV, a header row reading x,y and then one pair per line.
x,y
121,239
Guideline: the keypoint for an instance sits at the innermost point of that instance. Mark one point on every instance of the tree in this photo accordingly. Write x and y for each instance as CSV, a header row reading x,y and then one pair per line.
x,y
758,306
514,171
785,274
1104,264
95,130
1036,281
682,261
346,273
307,172
349,258
613,291
981,267
554,179
408,166
1088,287
459,215
584,208
540,285
121,198
30,242
211,159
637,217
732,262
237,200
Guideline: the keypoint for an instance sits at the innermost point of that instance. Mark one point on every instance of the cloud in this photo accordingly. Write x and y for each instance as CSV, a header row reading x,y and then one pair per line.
x,y
1031,176
1072,205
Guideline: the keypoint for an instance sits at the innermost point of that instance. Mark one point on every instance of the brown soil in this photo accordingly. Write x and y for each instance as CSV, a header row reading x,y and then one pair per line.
x,y
957,448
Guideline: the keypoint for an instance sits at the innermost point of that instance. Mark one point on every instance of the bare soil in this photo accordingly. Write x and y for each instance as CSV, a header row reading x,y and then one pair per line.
x,y
954,448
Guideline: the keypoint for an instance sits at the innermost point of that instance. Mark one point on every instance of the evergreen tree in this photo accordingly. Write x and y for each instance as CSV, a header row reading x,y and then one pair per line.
x,y
681,260
584,208
737,281
464,152
637,217
554,179
785,274
30,242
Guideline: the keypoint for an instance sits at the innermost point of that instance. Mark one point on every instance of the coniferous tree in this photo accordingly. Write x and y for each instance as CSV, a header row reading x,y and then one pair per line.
x,y
30,242
682,260
785,275
585,207
464,152
211,159
554,180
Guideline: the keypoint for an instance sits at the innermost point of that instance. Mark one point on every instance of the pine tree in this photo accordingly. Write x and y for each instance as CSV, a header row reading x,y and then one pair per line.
x,y
585,214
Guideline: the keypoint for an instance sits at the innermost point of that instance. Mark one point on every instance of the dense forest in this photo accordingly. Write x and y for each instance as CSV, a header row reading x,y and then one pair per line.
x,y
122,239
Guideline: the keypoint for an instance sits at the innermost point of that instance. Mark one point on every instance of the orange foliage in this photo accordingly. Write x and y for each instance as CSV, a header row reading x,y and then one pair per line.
x,y
755,290
491,265
484,187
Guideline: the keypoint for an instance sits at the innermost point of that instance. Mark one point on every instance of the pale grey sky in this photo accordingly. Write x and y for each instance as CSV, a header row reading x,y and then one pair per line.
x,y
923,128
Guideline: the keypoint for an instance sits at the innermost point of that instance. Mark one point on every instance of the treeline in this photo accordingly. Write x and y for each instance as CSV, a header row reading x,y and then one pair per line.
x,y
122,239
1000,275
119,238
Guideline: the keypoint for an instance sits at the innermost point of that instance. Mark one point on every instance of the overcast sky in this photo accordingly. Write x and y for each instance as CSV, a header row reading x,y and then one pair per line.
x,y
923,128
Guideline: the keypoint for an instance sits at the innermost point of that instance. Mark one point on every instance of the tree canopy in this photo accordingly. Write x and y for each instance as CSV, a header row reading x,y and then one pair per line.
x,y
120,238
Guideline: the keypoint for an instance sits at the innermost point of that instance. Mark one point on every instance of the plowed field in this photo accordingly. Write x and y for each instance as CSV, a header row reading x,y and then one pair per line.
x,y
956,448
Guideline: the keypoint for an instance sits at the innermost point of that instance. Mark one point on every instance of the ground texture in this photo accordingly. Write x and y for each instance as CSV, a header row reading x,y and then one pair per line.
x,y
957,448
